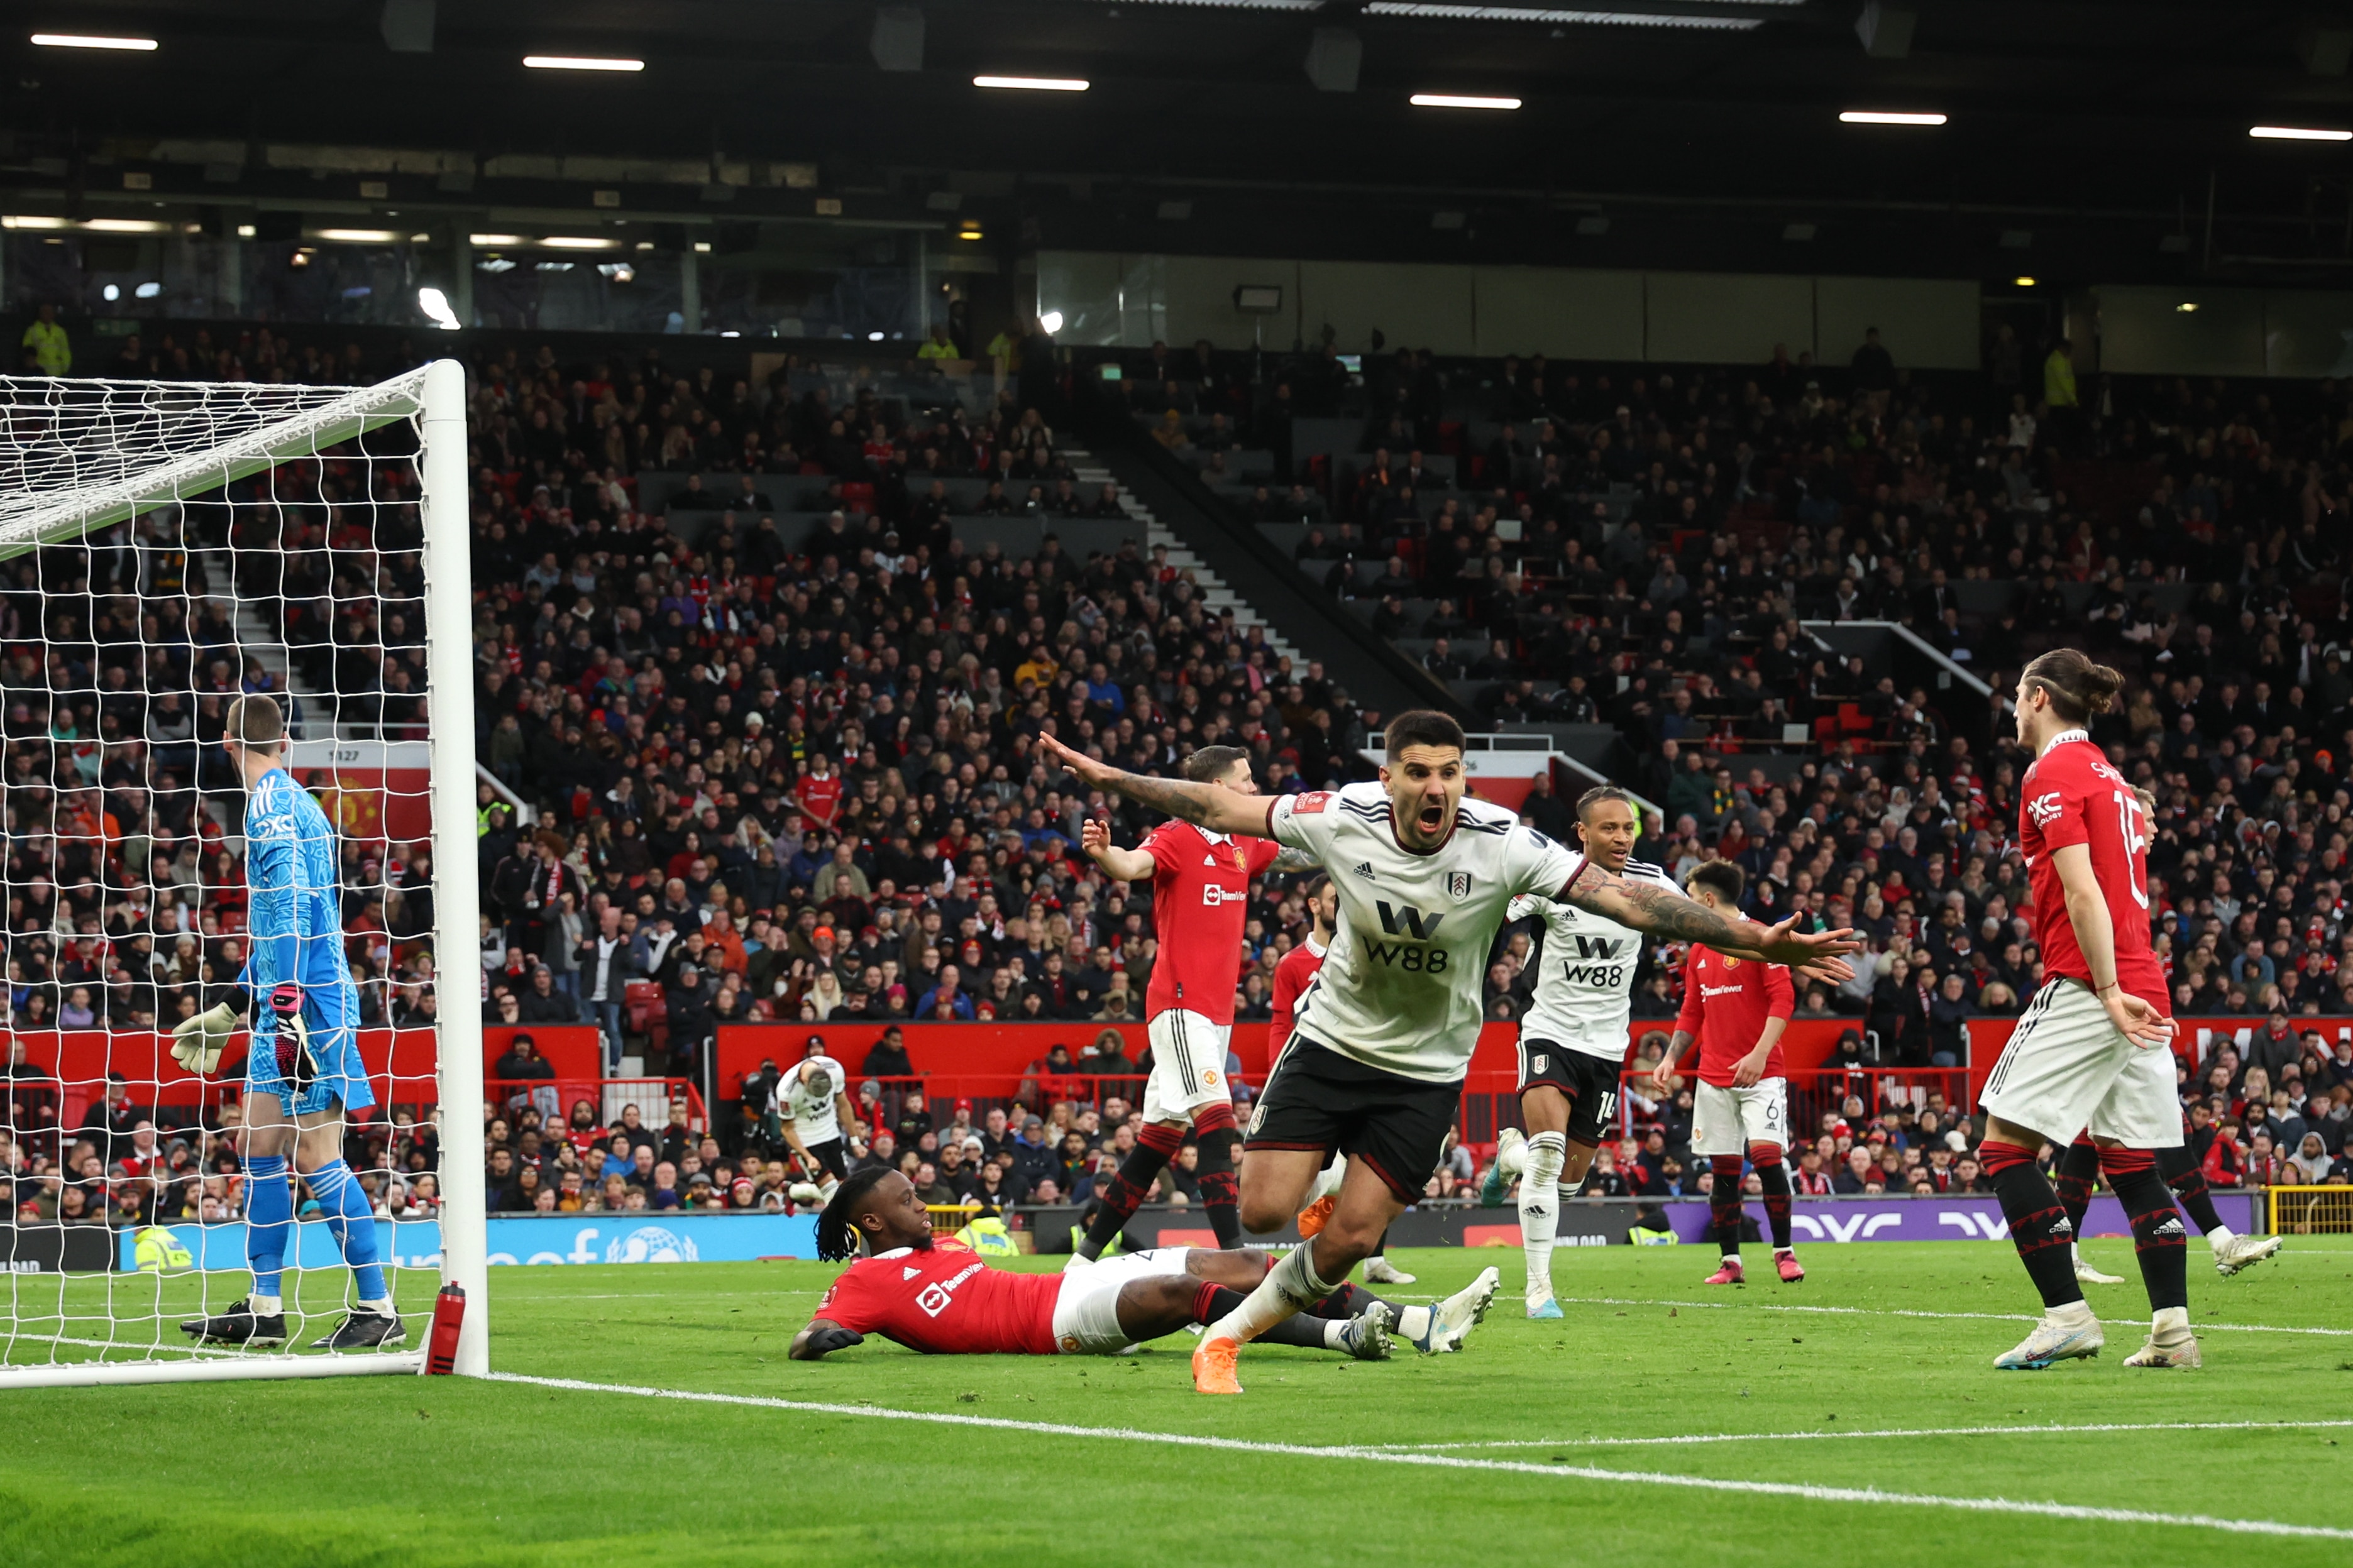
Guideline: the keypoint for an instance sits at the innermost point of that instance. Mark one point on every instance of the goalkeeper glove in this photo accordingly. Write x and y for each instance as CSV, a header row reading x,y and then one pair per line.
x,y
294,1063
825,1341
197,1043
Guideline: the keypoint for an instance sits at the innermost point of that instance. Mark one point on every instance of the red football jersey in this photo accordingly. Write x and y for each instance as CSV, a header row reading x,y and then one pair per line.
x,y
1200,883
2074,796
1291,978
946,1301
1725,1004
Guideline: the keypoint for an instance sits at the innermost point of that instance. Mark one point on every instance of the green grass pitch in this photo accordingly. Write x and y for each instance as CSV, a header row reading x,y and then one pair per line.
x,y
445,1471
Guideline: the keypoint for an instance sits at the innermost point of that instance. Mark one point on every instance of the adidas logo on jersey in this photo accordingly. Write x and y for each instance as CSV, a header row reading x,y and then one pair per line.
x,y
1361,867
906,1274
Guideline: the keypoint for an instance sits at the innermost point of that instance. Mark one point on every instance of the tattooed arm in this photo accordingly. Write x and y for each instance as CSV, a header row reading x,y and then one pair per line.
x,y
1668,914
1209,805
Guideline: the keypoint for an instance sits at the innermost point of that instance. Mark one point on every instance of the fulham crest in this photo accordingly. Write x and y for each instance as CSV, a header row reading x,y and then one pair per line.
x,y
1458,884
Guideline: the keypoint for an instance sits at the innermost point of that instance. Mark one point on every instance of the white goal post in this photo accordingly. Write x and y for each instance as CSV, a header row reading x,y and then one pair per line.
x,y
166,547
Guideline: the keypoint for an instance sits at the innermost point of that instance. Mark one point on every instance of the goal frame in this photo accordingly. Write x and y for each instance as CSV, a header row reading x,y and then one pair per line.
x,y
435,396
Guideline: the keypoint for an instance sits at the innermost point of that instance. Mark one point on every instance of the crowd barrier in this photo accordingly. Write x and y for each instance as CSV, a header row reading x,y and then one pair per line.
x,y
660,1236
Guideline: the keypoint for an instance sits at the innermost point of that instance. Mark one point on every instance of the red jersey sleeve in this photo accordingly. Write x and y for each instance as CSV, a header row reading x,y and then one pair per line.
x,y
1161,844
1780,992
1687,1022
853,1302
1257,854
2060,806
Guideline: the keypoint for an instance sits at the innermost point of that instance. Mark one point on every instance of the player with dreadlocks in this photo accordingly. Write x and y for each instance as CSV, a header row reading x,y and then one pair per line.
x,y
942,1299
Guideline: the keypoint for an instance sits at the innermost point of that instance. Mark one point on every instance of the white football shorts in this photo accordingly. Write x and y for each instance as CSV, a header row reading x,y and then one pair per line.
x,y
1086,1311
1189,1064
1726,1121
2067,1067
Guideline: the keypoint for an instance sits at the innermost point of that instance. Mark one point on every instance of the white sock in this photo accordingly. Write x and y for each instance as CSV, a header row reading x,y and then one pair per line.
x,y
1413,1322
2170,1319
2221,1236
381,1307
264,1306
1327,1181
2075,1254
1334,1329
1540,1208
1289,1287
2073,1315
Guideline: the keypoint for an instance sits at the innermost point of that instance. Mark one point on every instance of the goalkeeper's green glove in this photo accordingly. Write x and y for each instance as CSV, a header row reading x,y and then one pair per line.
x,y
197,1043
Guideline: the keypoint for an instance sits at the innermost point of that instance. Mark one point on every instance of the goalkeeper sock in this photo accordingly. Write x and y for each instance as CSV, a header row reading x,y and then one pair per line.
x,y
1540,1208
269,1222
353,1223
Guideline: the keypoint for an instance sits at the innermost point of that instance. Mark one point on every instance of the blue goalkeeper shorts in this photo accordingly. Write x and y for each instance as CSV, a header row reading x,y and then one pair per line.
x,y
333,1075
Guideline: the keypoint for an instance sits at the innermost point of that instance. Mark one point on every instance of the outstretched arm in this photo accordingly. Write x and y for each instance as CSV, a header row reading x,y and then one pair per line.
x,y
1209,805
821,1337
1123,865
1664,912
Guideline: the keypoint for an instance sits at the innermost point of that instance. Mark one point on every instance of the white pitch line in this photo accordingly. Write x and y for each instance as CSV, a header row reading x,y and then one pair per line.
x,y
1589,1441
1913,1312
1457,1462
159,1348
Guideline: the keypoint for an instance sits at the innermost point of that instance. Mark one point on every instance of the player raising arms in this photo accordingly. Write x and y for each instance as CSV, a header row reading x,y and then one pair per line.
x,y
302,1073
2090,1049
1200,887
1386,1029
942,1299
1736,1010
1572,1040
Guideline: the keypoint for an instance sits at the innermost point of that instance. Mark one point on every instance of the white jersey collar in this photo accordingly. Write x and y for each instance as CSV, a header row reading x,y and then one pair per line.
x,y
2064,736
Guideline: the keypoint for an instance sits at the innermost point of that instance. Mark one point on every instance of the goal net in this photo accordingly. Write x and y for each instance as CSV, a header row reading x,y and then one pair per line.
x,y
170,550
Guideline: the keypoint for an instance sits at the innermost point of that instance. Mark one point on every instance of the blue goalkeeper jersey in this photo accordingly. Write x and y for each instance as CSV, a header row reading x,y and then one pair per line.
x,y
295,917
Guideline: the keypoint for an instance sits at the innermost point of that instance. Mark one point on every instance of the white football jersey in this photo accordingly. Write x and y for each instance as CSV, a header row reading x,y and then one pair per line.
x,y
815,1119
1584,974
1402,987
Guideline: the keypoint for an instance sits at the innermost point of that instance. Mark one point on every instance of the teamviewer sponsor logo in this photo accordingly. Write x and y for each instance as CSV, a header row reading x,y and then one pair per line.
x,y
1212,896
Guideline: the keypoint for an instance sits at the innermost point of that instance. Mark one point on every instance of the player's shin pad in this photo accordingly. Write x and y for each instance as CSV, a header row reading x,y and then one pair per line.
x,y
1723,1201
2072,1176
2039,1225
2159,1241
1539,1205
1773,1176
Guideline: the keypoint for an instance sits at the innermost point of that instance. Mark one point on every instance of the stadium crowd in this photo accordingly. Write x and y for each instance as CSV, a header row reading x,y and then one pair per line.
x,y
775,732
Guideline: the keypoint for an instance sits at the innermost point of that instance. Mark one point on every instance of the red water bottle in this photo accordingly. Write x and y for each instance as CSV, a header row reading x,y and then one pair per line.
x,y
448,1313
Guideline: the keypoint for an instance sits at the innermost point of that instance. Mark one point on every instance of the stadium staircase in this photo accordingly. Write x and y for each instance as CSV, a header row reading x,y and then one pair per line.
x,y
1183,513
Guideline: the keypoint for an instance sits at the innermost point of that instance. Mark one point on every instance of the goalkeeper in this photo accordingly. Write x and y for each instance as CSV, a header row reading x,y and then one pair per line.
x,y
303,1072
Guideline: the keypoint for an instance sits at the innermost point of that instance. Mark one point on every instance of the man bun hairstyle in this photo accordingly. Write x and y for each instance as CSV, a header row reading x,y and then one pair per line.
x,y
255,721
1724,879
2080,689
1422,727
1207,765
836,1229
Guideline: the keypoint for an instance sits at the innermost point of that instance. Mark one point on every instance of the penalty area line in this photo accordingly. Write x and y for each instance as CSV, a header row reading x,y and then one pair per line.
x,y
2202,1325
1589,1441
1456,1462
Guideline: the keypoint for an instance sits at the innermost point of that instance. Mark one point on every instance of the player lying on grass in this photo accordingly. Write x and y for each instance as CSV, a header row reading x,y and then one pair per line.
x,y
2092,1049
943,1299
1386,1028
303,1071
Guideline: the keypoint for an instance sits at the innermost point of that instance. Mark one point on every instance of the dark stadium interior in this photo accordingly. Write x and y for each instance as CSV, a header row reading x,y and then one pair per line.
x,y
1784,599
